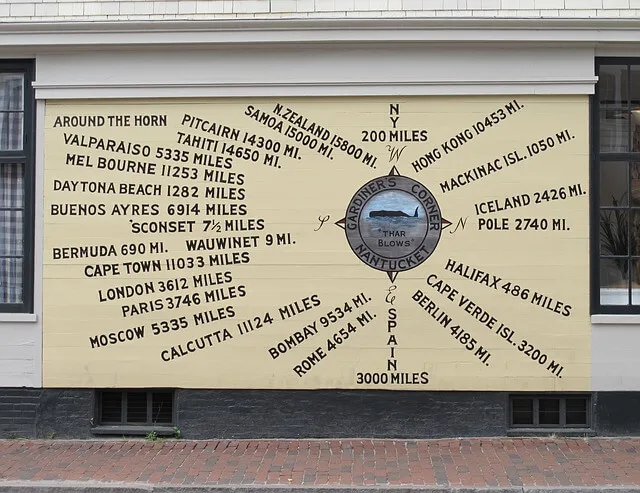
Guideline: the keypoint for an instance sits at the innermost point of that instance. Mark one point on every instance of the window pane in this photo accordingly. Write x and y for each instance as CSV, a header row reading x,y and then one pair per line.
x,y
162,411
635,85
635,231
614,130
11,237
549,411
635,129
576,411
11,220
613,84
635,282
522,411
614,282
11,186
635,183
11,232
136,407
11,92
11,131
10,280
614,232
111,407
614,189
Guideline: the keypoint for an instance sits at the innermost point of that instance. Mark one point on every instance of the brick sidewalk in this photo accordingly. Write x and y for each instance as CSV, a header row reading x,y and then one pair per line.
x,y
449,463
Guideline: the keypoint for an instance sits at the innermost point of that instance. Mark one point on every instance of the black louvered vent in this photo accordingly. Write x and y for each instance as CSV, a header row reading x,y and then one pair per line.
x,y
550,411
135,407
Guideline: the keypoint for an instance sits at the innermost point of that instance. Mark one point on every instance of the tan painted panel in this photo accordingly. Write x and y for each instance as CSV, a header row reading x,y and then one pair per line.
x,y
403,243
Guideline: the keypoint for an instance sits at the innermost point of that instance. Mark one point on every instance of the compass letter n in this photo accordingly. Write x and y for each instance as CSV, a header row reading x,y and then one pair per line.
x,y
462,222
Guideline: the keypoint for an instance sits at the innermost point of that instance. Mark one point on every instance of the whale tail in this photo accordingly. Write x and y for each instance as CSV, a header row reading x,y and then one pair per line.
x,y
415,214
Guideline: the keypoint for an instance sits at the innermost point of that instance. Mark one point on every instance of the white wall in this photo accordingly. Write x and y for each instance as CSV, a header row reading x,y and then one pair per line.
x,y
309,69
19,361
82,68
30,10
614,354
21,334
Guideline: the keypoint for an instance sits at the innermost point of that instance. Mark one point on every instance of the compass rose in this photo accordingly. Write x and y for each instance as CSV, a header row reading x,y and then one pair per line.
x,y
393,223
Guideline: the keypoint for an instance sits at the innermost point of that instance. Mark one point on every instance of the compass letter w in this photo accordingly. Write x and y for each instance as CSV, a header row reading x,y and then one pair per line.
x,y
395,153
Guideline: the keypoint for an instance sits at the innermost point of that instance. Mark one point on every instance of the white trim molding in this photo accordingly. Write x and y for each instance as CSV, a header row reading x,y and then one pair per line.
x,y
49,35
605,319
336,88
18,318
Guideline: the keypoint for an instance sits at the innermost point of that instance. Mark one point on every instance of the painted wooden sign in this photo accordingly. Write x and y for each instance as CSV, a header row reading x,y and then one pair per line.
x,y
435,243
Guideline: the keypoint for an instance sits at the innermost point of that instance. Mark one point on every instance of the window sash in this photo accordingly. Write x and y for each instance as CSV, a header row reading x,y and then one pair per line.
x,y
599,292
21,154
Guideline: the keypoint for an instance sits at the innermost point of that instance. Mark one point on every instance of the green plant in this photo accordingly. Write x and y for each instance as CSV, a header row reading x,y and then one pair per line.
x,y
50,436
614,231
152,436
618,235
176,432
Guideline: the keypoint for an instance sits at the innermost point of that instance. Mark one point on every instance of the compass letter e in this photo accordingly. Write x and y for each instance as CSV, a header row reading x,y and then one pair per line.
x,y
390,298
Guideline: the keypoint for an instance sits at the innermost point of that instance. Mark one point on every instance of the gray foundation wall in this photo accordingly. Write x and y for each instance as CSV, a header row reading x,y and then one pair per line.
x,y
206,414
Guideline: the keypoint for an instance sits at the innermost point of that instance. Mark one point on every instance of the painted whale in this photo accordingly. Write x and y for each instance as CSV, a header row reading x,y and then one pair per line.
x,y
392,214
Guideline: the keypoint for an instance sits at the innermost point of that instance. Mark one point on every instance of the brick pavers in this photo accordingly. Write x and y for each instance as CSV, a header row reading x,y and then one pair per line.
x,y
478,462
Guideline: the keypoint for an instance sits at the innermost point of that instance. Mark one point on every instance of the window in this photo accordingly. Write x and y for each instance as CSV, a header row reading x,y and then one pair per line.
x,y
135,408
549,411
16,186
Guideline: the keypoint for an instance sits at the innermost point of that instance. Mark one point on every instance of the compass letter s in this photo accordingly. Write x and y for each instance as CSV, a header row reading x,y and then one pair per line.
x,y
322,221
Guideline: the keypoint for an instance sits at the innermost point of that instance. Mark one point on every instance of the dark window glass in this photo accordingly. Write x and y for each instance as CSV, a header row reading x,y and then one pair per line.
x,y
162,407
111,407
614,130
576,412
11,112
522,411
136,407
614,281
614,184
549,411
613,85
614,233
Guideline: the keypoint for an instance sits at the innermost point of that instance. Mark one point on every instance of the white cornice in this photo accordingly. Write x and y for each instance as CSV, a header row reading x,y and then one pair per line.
x,y
211,32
